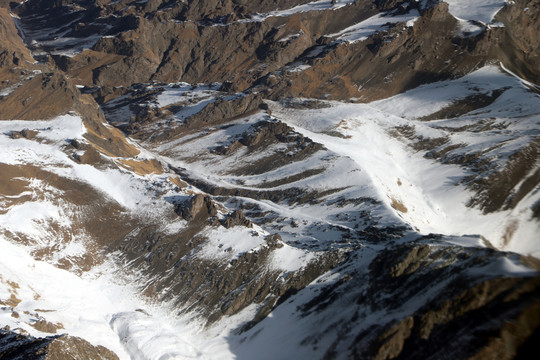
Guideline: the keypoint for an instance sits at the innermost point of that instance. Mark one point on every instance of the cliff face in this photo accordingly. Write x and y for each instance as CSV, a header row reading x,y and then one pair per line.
x,y
330,179
134,43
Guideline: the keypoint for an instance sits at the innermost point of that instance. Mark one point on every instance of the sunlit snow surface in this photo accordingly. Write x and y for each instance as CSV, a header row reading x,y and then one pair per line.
x,y
480,10
366,28
47,150
312,6
427,188
101,306
97,307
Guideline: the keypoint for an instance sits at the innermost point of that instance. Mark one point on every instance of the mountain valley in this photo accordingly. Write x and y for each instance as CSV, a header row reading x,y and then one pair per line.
x,y
231,179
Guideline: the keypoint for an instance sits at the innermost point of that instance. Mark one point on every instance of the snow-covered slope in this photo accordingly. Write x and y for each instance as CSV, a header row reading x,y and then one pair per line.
x,y
483,10
215,180
427,192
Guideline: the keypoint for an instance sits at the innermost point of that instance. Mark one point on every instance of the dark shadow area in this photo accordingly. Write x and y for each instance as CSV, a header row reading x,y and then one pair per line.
x,y
17,346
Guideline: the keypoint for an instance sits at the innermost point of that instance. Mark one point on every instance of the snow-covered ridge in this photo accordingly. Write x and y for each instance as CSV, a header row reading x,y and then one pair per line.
x,y
101,305
97,307
48,150
312,6
424,192
37,297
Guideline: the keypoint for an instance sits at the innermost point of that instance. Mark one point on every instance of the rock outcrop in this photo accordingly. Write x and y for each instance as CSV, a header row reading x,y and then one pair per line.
x,y
17,346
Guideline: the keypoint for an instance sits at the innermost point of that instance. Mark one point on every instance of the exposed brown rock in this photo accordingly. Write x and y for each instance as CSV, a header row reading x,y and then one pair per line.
x,y
178,182
43,97
197,207
497,191
237,218
25,133
143,167
519,45
463,106
47,95
17,346
171,41
77,348
81,67
46,326
97,211
12,49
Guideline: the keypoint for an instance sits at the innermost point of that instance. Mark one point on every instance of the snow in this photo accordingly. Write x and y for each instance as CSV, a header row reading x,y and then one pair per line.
x,y
291,37
118,110
59,128
209,166
7,90
429,191
102,305
388,165
312,6
68,46
145,339
96,307
297,67
480,10
523,81
428,99
184,92
366,160
123,187
415,190
114,184
81,306
506,266
29,218
469,28
288,258
376,23
227,244
53,40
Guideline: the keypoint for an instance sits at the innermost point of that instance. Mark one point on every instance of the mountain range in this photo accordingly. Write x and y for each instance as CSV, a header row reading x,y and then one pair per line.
x,y
269,179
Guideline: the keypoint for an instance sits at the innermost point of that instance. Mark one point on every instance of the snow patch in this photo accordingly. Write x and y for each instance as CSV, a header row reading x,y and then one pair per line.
x,y
228,244
312,6
376,23
479,10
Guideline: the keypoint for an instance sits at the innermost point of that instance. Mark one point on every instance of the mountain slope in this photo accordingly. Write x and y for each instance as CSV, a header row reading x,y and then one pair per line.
x,y
328,179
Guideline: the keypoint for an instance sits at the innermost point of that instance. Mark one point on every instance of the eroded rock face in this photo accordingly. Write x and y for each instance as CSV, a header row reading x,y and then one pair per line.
x,y
153,47
518,47
498,191
237,218
402,273
12,50
199,206
17,346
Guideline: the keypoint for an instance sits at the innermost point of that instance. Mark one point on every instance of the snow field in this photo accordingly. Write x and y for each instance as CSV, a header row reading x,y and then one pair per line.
x,y
480,10
312,6
98,307
376,23
424,192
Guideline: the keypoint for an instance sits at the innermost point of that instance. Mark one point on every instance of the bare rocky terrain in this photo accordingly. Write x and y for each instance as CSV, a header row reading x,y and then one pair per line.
x,y
296,179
